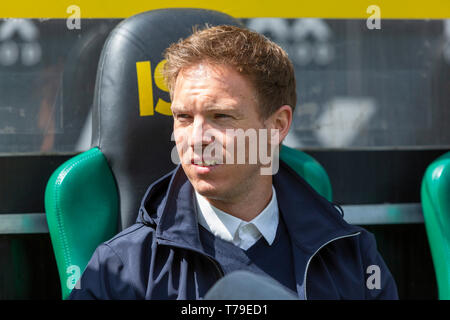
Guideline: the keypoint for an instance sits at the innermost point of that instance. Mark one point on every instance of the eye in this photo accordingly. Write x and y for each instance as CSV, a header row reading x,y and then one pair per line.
x,y
222,116
182,116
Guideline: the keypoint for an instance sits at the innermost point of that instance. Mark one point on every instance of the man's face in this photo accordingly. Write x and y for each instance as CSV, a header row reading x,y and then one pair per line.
x,y
209,102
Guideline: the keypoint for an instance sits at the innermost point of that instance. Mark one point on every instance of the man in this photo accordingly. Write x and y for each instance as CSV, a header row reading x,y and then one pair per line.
x,y
215,214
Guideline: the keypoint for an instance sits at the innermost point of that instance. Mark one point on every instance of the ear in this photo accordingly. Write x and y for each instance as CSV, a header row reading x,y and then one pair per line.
x,y
281,120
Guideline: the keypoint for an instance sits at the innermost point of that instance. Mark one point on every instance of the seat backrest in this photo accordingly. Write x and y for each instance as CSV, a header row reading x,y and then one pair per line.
x,y
309,169
80,70
82,207
435,197
97,193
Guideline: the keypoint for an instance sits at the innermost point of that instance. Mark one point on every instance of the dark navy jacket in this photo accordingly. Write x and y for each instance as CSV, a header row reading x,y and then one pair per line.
x,y
161,256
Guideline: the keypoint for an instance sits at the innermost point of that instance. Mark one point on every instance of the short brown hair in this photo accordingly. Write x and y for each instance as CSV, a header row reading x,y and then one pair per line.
x,y
260,60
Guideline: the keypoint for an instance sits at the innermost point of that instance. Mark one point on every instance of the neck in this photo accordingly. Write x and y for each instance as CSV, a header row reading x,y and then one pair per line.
x,y
247,205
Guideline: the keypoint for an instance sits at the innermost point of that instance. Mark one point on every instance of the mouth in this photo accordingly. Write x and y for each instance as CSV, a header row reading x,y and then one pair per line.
x,y
205,166
204,163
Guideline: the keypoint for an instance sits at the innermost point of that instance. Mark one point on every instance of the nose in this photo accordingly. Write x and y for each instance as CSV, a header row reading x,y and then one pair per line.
x,y
198,138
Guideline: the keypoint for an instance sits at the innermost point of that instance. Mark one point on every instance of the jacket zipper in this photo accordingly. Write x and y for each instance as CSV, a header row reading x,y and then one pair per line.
x,y
310,258
218,269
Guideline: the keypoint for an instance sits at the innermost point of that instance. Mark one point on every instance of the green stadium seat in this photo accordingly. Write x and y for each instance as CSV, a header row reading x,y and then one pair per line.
x,y
435,197
82,206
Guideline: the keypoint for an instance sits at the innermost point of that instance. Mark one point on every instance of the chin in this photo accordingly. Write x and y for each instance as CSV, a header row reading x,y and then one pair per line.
x,y
206,189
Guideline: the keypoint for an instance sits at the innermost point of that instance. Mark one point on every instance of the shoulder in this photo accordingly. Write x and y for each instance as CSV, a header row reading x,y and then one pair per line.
x,y
360,242
356,267
127,252
117,266
367,243
379,281
129,242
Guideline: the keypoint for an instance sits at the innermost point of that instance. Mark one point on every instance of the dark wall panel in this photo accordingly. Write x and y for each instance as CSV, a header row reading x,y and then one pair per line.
x,y
363,177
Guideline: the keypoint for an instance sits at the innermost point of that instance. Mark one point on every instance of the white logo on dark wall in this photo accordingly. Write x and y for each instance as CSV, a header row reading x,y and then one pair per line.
x,y
310,38
19,43
312,41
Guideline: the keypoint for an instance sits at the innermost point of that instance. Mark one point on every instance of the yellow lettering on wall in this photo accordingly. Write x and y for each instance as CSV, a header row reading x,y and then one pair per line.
x,y
145,89
159,79
162,106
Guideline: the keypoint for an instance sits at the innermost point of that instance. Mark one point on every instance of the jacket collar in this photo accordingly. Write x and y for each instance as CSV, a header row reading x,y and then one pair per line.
x,y
311,220
169,207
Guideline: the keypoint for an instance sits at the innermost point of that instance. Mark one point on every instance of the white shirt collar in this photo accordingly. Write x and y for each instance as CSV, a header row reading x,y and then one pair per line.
x,y
238,231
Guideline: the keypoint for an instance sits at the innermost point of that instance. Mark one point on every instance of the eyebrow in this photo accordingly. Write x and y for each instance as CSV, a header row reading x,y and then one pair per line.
x,y
214,108
177,108
223,109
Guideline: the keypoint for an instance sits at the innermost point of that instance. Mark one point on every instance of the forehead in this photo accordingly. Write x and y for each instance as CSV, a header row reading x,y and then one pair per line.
x,y
205,80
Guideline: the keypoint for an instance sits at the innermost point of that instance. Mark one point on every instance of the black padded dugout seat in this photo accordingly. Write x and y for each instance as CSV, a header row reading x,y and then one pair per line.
x,y
78,85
